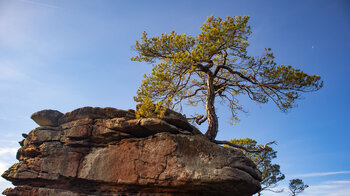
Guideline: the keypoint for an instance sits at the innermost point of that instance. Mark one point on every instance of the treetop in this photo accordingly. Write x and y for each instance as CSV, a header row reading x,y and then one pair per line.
x,y
215,64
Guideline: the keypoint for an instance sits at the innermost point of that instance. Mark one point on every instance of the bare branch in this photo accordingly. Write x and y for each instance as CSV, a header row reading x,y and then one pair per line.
x,y
201,120
194,93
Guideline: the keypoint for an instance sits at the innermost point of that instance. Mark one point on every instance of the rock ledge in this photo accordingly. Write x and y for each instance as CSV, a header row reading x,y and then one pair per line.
x,y
106,151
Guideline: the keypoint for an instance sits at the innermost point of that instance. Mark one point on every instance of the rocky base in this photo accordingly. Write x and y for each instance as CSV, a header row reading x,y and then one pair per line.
x,y
106,151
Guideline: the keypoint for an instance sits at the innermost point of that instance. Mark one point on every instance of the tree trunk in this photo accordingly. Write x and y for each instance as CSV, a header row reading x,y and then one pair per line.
x,y
210,108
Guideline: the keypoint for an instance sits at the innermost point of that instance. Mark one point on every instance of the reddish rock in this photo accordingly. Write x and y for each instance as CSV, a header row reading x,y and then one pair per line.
x,y
79,122
107,152
79,132
30,191
131,126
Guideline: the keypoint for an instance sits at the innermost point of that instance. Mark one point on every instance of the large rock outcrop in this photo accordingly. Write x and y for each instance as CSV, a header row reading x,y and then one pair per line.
x,y
106,151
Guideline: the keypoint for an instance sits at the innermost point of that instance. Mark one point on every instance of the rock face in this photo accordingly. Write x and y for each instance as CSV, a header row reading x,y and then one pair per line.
x,y
106,151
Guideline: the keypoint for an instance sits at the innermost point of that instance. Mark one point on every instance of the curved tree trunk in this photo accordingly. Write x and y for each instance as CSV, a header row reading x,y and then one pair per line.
x,y
210,108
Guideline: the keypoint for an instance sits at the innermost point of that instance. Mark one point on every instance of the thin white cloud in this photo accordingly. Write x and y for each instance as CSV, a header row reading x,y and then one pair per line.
x,y
329,188
11,151
4,183
5,153
325,188
9,72
21,26
40,4
3,167
317,174
340,182
13,76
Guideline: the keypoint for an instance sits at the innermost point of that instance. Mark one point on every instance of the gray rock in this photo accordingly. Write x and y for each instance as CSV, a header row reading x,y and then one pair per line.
x,y
47,117
94,113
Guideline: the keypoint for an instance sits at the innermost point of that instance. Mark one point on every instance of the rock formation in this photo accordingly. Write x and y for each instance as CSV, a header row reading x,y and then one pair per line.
x,y
106,151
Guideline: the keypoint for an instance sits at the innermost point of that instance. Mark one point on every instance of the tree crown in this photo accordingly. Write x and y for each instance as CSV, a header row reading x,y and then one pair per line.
x,y
215,64
296,186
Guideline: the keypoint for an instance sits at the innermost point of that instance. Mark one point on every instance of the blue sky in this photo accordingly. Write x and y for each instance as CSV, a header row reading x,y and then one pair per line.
x,y
68,54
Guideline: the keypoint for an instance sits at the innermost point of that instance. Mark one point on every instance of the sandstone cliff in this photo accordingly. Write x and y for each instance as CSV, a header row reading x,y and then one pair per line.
x,y
106,151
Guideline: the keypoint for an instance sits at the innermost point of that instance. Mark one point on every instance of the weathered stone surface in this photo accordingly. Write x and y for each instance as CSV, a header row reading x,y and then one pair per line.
x,y
95,113
42,135
30,191
104,151
177,120
79,122
131,126
169,160
47,117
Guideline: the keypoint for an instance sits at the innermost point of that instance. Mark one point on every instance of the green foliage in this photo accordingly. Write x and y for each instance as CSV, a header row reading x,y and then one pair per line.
x,y
296,186
215,64
271,173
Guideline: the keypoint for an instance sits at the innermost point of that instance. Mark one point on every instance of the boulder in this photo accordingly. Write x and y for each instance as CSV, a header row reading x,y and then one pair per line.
x,y
47,117
95,113
114,154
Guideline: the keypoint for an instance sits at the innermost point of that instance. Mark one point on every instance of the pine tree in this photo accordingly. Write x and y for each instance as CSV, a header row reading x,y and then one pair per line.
x,y
214,65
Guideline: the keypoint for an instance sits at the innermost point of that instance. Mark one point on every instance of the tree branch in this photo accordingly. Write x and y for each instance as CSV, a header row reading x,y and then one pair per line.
x,y
234,72
201,119
242,147
194,93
